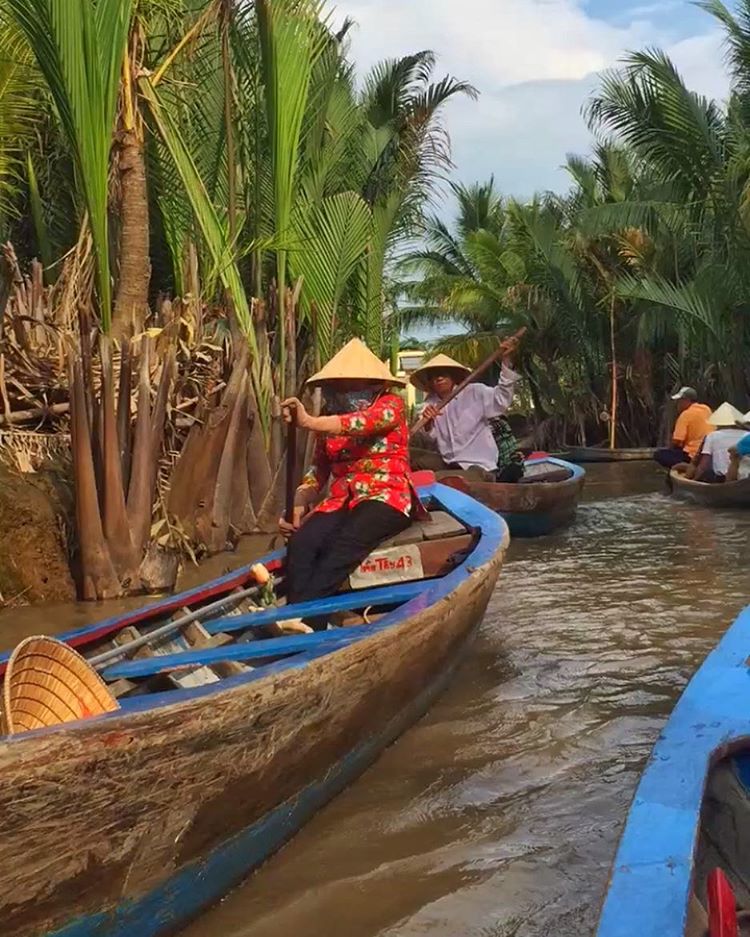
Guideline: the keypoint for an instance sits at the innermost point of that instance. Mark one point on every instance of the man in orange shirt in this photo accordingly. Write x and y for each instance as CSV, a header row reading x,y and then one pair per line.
x,y
690,430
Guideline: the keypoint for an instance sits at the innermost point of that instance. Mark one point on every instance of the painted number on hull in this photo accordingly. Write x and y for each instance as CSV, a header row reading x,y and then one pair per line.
x,y
394,564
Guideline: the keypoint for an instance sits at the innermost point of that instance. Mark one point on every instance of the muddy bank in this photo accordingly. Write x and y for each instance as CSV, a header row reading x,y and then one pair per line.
x,y
36,513
55,616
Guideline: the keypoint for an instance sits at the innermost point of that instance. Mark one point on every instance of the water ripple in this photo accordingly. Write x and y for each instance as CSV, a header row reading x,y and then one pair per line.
x,y
499,813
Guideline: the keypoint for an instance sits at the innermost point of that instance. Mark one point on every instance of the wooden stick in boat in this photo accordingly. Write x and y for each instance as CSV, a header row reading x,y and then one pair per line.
x,y
175,625
291,465
477,372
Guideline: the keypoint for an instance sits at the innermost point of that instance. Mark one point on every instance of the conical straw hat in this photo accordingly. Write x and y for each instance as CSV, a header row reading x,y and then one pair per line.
x,y
439,362
355,362
726,415
48,683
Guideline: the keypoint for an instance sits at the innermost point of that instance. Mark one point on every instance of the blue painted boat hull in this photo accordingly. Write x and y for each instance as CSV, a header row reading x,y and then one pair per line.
x,y
205,881
658,878
152,813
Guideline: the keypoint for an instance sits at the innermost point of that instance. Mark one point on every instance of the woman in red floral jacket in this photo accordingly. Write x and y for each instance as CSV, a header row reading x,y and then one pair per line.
x,y
363,450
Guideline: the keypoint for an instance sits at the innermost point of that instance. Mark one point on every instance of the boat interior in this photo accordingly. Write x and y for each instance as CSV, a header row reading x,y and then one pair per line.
x,y
539,471
237,628
545,471
721,880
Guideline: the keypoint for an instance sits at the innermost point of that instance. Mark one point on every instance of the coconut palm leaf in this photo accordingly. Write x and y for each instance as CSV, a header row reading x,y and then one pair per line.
x,y
79,47
20,94
292,39
333,237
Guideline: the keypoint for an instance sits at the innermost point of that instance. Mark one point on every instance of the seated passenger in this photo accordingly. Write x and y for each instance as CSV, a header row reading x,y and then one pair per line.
x,y
739,455
362,447
510,460
690,430
461,431
713,463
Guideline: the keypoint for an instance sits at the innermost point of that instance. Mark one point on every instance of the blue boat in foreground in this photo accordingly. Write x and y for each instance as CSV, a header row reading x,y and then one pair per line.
x,y
683,864
224,737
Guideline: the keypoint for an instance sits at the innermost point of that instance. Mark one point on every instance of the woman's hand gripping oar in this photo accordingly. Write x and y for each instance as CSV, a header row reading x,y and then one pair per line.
x,y
505,350
292,512
297,504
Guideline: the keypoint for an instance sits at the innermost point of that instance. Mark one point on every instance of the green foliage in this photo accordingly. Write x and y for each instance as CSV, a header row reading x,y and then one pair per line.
x,y
327,177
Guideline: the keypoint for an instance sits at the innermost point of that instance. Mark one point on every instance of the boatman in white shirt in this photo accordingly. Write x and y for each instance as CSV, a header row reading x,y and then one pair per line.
x,y
460,436
714,460
739,454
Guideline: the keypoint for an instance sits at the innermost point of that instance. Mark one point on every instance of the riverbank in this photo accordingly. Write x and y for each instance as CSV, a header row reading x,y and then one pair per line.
x,y
55,617
36,519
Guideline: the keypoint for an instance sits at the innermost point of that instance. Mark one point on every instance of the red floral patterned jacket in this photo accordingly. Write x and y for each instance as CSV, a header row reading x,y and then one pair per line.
x,y
368,462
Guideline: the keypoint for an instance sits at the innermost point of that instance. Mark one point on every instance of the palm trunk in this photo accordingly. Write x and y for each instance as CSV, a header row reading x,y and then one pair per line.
x,y
123,412
98,577
148,442
124,556
131,300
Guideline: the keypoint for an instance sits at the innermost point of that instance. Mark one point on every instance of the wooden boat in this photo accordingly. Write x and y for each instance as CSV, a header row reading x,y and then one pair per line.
x,y
545,500
683,855
727,495
131,822
591,454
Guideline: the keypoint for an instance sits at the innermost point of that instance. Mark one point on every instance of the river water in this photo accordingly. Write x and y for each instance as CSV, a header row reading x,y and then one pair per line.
x,y
498,814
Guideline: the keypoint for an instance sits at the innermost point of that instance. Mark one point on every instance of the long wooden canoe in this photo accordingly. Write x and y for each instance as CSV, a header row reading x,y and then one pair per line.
x,y
591,454
684,849
726,495
132,822
544,501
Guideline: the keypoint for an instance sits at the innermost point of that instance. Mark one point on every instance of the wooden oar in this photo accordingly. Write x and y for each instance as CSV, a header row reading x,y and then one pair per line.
x,y
477,372
291,468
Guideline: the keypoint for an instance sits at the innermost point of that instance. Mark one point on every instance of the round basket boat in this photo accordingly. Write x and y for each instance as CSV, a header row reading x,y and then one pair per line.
x,y
48,683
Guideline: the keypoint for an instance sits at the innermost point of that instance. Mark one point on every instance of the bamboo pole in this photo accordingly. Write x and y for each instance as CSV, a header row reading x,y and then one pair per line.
x,y
613,407
477,372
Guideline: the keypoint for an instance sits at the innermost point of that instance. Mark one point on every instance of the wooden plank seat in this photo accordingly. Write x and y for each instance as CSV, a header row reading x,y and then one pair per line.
x,y
422,551
342,602
193,636
440,524
205,652
258,650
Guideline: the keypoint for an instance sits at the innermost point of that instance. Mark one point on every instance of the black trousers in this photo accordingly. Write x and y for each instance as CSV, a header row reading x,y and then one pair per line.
x,y
328,547
668,458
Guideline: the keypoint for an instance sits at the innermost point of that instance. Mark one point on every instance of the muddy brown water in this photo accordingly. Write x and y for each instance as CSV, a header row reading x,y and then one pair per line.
x,y
498,814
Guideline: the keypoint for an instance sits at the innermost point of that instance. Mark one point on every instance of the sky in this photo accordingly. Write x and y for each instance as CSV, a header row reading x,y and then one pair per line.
x,y
535,62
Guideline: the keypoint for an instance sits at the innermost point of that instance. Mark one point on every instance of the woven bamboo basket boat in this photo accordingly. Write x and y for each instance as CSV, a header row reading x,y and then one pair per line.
x,y
223,738
594,454
545,500
726,495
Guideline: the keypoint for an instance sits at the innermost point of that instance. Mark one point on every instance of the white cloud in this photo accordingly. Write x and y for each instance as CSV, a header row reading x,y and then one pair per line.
x,y
535,63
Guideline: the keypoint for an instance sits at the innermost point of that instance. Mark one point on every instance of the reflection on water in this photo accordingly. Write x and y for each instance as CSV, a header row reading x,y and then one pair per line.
x,y
498,814
19,623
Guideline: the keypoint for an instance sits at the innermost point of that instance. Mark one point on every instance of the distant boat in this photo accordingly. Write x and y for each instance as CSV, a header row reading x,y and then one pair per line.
x,y
545,500
726,495
223,739
683,858
591,454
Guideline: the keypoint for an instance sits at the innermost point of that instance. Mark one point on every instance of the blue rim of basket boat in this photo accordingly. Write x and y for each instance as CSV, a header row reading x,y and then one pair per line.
x,y
652,876
493,532
576,471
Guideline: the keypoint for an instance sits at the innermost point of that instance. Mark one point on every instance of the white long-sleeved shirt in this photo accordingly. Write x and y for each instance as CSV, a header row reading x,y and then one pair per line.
x,y
462,429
